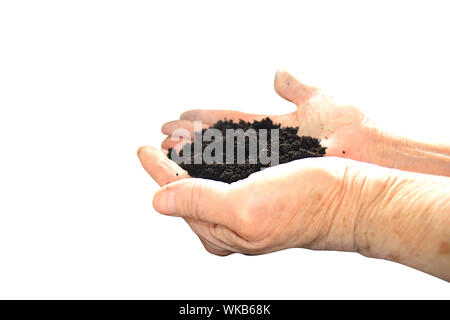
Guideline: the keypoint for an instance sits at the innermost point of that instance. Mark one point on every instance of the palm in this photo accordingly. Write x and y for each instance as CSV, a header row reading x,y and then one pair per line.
x,y
342,129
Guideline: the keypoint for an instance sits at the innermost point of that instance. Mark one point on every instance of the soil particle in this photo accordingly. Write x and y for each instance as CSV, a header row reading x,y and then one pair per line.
x,y
291,147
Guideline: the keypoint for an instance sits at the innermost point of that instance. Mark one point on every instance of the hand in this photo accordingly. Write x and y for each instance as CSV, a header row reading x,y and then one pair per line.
x,y
322,203
290,205
342,129
318,203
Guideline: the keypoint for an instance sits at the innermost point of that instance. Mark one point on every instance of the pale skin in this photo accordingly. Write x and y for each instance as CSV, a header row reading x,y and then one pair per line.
x,y
374,193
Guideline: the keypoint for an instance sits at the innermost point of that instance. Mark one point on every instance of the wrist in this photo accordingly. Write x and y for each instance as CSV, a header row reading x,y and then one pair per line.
x,y
388,150
356,205
376,190
406,219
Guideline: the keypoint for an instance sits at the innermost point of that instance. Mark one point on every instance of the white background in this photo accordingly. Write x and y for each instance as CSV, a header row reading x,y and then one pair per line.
x,y
84,83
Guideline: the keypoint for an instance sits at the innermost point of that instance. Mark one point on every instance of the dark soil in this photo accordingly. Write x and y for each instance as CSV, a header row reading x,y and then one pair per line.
x,y
291,147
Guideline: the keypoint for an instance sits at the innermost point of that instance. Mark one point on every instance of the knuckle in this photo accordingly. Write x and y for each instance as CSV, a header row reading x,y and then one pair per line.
x,y
249,225
256,246
213,250
255,235
249,238
247,219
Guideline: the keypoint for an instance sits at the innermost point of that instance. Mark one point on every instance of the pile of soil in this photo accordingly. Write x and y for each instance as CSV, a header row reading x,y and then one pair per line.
x,y
291,147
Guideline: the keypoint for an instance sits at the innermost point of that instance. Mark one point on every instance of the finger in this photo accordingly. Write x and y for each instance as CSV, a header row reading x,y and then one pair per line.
x,y
214,233
199,199
203,231
161,169
223,238
212,116
173,142
289,88
213,249
176,127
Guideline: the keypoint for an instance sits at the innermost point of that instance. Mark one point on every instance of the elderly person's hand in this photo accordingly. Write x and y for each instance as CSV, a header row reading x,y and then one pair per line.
x,y
343,129
318,203
286,206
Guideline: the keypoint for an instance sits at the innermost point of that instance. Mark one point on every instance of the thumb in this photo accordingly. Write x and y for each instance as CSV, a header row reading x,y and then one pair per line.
x,y
199,199
289,88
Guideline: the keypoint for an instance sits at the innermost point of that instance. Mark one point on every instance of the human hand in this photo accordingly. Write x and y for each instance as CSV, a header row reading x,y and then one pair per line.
x,y
318,203
322,203
297,204
342,129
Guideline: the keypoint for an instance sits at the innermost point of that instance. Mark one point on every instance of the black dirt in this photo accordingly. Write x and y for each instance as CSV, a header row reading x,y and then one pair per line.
x,y
291,147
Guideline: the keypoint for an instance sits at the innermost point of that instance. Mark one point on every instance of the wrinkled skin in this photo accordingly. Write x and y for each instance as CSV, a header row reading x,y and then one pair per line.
x,y
319,203
305,213
233,217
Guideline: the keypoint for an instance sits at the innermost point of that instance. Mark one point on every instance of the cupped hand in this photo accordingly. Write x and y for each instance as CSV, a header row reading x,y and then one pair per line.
x,y
297,204
342,129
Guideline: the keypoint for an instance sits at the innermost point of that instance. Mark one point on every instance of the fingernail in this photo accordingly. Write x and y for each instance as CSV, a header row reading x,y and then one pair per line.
x,y
164,202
